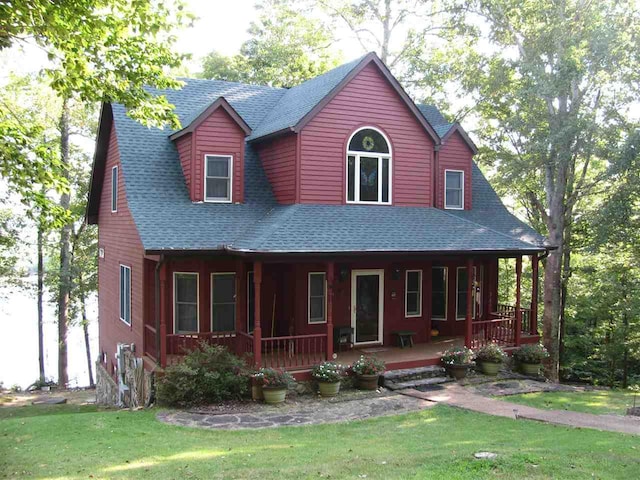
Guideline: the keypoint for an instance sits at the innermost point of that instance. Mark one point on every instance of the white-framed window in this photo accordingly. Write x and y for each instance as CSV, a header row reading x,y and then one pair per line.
x,y
125,294
251,302
461,293
186,296
439,293
114,189
223,302
317,297
218,178
454,189
413,293
368,167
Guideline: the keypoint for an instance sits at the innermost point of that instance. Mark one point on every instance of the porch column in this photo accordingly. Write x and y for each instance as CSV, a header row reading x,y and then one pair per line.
x,y
163,315
468,320
534,295
257,330
330,279
518,332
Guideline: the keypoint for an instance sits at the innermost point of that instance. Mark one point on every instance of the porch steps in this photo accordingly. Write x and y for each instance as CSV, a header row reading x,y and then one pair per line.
x,y
422,382
414,377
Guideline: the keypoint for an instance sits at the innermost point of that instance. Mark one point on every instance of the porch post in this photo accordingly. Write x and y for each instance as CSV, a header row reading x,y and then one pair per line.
x,y
468,320
164,298
257,330
534,295
518,332
330,279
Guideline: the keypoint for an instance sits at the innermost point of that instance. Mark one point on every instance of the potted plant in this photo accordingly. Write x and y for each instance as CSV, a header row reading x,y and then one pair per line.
x,y
328,376
529,357
457,361
489,358
274,384
367,371
256,386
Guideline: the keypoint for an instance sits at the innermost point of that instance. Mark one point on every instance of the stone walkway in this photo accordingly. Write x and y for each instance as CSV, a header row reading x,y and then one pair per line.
x,y
461,397
303,413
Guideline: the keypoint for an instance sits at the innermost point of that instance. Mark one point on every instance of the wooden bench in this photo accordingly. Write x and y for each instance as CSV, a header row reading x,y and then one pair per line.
x,y
405,337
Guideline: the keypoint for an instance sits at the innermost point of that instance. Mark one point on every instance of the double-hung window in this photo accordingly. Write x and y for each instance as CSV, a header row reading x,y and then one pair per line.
x,y
439,293
413,293
125,294
185,309
223,302
114,189
454,189
218,176
368,168
317,300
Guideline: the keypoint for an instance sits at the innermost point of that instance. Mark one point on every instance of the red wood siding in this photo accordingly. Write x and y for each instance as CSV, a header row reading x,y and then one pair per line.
x,y
279,162
367,100
218,134
455,154
118,236
184,145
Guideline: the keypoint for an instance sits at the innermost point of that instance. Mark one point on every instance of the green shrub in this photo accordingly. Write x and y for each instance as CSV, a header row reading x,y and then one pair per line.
x,y
530,353
272,377
209,373
490,353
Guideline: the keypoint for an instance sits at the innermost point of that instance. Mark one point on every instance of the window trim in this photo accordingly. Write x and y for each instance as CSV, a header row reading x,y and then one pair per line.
x,y
114,185
446,295
125,267
324,293
204,187
406,292
175,296
235,301
447,207
380,156
473,295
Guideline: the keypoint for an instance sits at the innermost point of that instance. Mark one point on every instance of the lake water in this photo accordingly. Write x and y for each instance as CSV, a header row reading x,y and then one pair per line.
x,y
19,341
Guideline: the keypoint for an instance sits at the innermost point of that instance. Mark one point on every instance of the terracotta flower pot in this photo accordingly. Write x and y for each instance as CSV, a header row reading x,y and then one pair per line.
x,y
329,389
489,368
274,395
367,382
531,369
457,371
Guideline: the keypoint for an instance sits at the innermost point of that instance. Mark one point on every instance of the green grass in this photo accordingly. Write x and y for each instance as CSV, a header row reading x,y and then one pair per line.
x,y
591,401
74,442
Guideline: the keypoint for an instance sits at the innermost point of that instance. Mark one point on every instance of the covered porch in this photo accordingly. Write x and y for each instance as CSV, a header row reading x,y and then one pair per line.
x,y
287,314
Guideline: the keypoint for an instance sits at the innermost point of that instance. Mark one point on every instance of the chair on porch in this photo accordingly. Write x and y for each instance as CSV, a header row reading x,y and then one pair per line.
x,y
342,336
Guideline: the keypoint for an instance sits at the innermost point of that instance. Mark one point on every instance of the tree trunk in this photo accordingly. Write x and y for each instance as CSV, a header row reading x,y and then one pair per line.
x,y
552,295
386,32
41,375
566,276
64,280
85,330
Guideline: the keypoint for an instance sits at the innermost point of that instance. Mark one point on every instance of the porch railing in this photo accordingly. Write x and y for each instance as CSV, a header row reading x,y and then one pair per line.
x,y
505,310
498,330
180,343
149,341
300,351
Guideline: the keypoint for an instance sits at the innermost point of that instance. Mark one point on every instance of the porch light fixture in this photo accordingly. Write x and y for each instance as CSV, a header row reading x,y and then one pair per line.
x,y
395,273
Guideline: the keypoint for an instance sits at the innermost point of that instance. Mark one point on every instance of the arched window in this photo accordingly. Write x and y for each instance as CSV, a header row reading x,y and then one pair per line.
x,y
368,167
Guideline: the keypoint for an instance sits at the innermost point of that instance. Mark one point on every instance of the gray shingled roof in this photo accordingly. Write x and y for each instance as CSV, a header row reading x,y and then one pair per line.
x,y
435,118
166,218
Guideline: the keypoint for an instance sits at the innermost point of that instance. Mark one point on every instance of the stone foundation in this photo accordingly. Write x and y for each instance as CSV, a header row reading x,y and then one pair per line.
x,y
106,387
137,388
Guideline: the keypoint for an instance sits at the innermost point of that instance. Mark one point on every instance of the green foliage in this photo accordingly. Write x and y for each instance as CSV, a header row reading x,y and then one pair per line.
x,y
10,229
490,353
532,353
457,356
206,374
599,402
272,377
367,365
328,372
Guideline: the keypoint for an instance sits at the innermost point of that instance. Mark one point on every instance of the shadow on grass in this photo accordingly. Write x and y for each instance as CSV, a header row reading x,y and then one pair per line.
x,y
25,411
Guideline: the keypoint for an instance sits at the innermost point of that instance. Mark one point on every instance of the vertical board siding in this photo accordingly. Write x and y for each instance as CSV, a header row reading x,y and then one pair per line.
x,y
218,134
455,154
184,146
118,235
367,100
278,159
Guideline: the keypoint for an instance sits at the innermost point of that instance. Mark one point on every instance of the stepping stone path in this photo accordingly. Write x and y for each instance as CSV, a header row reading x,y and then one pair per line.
x,y
303,413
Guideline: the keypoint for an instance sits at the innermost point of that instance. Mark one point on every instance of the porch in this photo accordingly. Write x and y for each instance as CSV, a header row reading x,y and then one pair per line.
x,y
271,310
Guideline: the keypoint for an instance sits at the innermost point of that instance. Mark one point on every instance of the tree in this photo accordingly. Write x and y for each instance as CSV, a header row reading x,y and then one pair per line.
x,y
551,81
287,46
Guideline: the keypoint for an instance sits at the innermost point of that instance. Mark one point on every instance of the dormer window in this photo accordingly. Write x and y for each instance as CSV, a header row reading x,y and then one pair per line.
x,y
368,167
218,175
454,189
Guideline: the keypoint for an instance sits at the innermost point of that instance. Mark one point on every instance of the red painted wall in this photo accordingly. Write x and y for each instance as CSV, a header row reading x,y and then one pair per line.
x,y
278,158
367,100
184,145
118,235
455,154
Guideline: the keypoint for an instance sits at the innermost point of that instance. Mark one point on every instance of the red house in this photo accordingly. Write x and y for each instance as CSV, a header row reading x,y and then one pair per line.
x,y
299,224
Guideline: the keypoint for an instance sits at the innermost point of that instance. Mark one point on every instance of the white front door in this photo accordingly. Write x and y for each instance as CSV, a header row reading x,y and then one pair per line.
x,y
367,305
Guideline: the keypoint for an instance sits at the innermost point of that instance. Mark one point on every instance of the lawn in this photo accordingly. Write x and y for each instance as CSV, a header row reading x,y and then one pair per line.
x,y
589,401
75,442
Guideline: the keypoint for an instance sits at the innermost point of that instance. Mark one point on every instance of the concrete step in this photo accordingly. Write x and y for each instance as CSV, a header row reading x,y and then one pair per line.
x,y
398,376
416,383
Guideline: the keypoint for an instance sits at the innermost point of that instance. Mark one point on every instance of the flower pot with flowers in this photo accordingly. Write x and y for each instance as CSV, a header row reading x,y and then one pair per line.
x,y
490,358
274,384
367,371
328,375
457,361
530,357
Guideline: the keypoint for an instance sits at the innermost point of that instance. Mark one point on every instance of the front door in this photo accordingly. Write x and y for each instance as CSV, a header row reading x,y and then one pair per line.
x,y
367,305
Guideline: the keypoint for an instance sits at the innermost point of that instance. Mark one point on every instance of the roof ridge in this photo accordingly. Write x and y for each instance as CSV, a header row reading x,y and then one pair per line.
x,y
244,84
